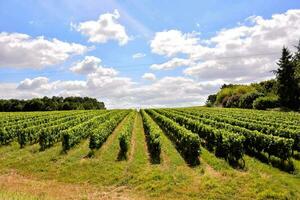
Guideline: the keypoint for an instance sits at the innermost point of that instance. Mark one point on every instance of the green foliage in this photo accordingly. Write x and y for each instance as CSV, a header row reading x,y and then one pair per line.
x,y
126,132
73,135
246,100
263,103
211,100
49,104
265,141
232,101
225,144
296,62
50,135
101,133
268,87
288,88
232,93
29,132
186,142
153,133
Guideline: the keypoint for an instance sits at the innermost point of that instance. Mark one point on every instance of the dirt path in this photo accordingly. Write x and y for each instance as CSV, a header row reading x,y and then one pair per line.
x,y
13,182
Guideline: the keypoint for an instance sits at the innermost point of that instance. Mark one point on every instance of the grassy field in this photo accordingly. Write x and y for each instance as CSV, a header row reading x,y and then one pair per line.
x,y
30,174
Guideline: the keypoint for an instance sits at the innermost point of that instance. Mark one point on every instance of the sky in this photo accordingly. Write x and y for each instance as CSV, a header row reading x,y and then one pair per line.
x,y
144,53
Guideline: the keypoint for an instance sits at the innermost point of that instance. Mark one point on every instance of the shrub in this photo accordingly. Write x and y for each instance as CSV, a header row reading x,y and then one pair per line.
x,y
211,99
246,100
263,103
232,90
233,101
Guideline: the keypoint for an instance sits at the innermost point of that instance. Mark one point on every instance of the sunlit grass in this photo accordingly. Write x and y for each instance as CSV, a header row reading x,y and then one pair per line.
x,y
214,178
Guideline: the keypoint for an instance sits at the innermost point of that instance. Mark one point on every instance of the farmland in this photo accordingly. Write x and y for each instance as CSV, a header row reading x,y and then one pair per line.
x,y
182,153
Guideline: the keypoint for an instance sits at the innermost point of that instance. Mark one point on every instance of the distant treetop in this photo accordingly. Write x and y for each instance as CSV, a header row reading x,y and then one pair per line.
x,y
48,104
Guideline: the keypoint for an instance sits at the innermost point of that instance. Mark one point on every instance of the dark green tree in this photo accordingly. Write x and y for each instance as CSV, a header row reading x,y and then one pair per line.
x,y
296,60
287,83
48,104
211,99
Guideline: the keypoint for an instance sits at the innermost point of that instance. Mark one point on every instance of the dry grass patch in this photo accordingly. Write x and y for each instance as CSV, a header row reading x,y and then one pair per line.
x,y
14,182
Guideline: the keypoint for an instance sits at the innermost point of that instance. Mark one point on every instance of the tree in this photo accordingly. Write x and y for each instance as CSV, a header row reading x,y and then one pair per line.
x,y
287,83
296,60
211,99
47,104
246,100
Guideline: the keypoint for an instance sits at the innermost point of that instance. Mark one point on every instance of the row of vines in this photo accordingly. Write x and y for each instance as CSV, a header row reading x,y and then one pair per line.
x,y
228,133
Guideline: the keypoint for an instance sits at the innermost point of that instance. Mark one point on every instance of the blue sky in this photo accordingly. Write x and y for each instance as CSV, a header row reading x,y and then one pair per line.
x,y
199,21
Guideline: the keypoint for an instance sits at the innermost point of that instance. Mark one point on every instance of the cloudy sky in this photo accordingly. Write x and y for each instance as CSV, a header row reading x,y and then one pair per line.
x,y
140,53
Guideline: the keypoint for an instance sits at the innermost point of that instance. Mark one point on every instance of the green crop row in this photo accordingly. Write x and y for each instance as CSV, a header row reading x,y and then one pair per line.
x,y
74,135
255,141
153,133
224,143
126,132
186,142
281,132
101,133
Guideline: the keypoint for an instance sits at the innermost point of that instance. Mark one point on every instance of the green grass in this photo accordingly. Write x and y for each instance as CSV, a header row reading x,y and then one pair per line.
x,y
137,178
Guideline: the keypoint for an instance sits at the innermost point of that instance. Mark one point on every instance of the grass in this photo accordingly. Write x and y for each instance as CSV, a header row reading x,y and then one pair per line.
x,y
16,196
52,175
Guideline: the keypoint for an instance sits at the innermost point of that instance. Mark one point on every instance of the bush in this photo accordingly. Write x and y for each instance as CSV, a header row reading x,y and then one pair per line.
x,y
225,93
263,103
233,101
211,99
246,100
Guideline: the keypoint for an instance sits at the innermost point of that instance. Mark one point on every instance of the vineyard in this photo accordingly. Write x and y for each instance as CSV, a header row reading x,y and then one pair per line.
x,y
182,153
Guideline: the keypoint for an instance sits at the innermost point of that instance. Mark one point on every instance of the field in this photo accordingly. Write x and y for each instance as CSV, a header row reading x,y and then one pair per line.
x,y
183,153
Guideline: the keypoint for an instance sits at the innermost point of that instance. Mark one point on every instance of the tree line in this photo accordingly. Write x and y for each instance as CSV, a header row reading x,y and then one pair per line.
x,y
283,91
50,104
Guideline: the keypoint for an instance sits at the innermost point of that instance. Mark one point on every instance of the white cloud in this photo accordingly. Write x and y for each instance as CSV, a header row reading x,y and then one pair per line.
x,y
138,55
9,91
109,87
149,76
92,65
170,92
69,86
21,50
43,86
116,92
104,29
171,42
245,53
32,84
171,64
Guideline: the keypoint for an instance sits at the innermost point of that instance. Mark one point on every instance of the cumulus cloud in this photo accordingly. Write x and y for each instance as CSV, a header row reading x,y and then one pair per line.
x,y
169,91
92,65
138,55
44,86
243,54
105,28
109,87
149,76
32,84
171,64
117,92
172,42
10,91
21,50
